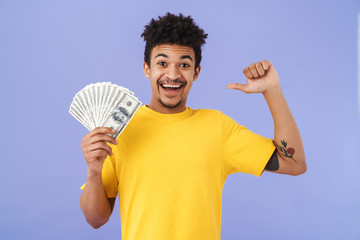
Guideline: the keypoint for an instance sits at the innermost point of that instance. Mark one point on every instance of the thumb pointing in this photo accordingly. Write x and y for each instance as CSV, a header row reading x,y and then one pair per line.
x,y
237,86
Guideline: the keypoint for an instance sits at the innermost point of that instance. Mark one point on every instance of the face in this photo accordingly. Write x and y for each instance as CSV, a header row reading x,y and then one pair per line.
x,y
171,73
120,116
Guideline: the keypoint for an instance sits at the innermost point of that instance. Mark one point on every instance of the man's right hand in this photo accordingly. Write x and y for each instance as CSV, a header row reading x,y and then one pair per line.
x,y
95,148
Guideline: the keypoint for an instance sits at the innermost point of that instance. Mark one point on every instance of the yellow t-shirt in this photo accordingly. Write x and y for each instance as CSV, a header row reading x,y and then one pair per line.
x,y
169,171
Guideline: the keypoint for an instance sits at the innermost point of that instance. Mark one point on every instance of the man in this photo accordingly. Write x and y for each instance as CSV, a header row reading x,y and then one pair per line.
x,y
171,162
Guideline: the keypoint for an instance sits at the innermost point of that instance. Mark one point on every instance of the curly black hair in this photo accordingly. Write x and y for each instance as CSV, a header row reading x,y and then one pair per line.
x,y
173,29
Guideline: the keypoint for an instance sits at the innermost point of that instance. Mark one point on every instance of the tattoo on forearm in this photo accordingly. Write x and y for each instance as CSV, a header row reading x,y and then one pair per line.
x,y
285,151
273,163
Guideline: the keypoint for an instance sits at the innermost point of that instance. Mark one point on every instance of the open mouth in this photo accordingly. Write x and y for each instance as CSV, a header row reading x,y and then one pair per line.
x,y
172,87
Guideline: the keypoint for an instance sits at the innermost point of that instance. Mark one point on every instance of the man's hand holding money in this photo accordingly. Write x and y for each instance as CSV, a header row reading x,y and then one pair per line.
x,y
95,148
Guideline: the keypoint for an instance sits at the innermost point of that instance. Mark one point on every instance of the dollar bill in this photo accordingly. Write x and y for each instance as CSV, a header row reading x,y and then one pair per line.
x,y
122,114
104,104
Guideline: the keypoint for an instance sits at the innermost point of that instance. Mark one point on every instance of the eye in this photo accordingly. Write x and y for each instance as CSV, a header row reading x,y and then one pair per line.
x,y
184,65
162,63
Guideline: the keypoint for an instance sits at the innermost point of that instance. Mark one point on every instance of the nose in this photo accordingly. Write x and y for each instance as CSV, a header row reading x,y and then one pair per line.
x,y
172,72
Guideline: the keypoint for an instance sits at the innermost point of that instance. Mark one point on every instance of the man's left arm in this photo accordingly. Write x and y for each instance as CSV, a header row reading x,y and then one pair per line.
x,y
289,157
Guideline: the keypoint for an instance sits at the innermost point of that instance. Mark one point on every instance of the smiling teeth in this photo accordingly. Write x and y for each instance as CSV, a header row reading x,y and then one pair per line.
x,y
171,86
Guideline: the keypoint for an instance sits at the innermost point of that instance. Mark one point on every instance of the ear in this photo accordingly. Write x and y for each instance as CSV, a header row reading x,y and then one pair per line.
x,y
197,72
146,70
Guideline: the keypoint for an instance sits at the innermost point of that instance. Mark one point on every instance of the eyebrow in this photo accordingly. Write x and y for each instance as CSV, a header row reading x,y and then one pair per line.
x,y
186,56
166,56
161,55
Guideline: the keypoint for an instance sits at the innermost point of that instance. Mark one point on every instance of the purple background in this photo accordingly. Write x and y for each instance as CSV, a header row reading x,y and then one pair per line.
x,y
49,50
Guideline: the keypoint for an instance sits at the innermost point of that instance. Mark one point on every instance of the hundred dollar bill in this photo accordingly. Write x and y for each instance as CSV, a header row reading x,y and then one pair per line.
x,y
121,114
73,111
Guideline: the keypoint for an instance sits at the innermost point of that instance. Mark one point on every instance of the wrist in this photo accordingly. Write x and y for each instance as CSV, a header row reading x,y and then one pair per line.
x,y
93,179
272,91
93,174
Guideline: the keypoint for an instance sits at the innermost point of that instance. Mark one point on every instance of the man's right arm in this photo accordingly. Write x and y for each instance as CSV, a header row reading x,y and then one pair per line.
x,y
97,208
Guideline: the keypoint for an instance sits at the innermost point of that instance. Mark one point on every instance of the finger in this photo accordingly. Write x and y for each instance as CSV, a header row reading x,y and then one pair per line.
x,y
96,146
260,68
99,146
103,130
253,70
266,64
248,73
237,86
102,138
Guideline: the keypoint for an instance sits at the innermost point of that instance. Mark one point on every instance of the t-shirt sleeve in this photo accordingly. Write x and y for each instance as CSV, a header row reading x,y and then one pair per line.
x,y
109,178
243,150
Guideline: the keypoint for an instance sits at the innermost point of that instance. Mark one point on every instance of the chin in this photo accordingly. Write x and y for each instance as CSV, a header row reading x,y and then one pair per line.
x,y
170,105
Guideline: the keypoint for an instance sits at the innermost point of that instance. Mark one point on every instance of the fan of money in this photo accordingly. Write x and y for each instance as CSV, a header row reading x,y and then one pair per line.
x,y
104,104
